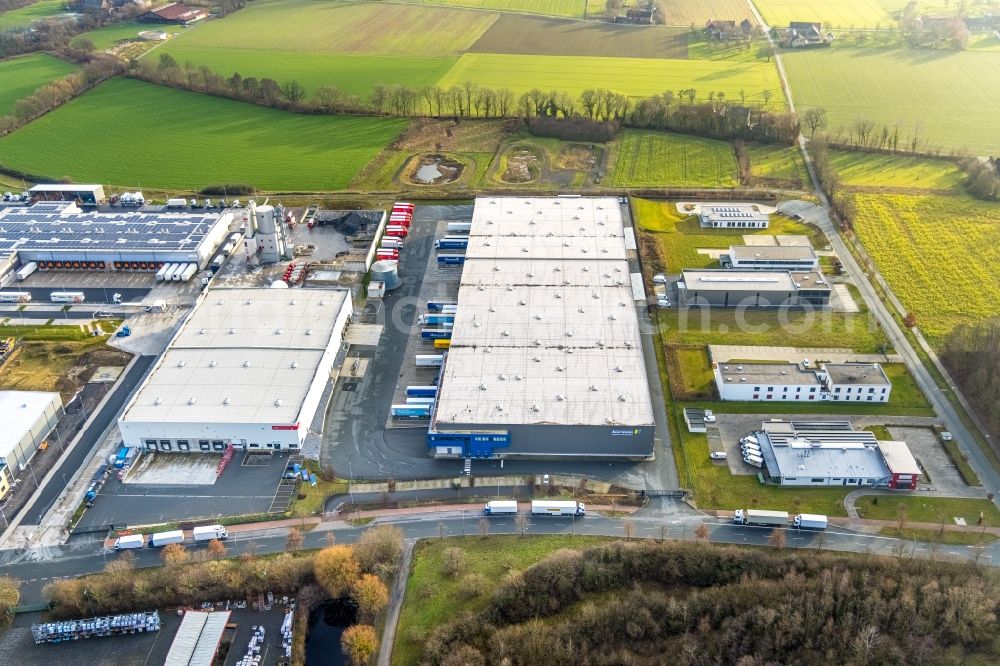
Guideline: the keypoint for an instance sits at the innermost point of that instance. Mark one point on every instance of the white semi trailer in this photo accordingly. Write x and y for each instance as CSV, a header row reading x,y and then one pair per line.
x,y
557,508
759,517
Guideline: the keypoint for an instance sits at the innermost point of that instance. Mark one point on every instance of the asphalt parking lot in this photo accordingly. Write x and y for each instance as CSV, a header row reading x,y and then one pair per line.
x,y
927,449
242,489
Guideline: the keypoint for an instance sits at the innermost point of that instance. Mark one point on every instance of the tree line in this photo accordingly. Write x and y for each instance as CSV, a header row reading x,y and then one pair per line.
x,y
634,603
713,115
982,177
972,355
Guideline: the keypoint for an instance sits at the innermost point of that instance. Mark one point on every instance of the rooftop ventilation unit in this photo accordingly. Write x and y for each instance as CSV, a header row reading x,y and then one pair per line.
x,y
294,365
226,401
621,397
181,364
560,397
482,387
535,408
191,401
158,401
212,364
246,364
278,403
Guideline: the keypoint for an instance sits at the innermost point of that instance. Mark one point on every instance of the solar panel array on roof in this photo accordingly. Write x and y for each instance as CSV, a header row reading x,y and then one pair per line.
x,y
62,226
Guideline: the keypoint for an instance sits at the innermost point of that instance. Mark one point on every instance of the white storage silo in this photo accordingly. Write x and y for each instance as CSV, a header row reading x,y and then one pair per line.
x,y
386,272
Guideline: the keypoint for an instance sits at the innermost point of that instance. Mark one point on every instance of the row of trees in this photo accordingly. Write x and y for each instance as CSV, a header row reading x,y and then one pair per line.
x,y
630,603
711,115
866,134
972,356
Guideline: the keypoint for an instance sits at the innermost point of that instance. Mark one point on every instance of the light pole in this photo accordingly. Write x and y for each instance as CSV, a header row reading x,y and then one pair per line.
x,y
31,469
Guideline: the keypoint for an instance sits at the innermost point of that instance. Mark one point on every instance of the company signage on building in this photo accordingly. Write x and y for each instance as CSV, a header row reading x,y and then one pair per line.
x,y
291,426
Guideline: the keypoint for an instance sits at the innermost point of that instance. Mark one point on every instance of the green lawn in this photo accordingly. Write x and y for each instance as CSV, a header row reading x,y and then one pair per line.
x,y
106,37
690,372
173,139
778,165
939,254
873,170
432,598
660,159
565,8
961,463
954,97
19,77
18,18
681,236
929,509
714,487
839,14
634,77
761,327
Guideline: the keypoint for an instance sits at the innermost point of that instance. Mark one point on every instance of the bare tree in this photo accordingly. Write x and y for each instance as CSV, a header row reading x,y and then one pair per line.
x,y
629,527
814,119
701,532
522,523
777,539
294,540
484,527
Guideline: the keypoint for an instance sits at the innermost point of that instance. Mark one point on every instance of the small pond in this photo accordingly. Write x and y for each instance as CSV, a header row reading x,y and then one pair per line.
x,y
428,173
326,624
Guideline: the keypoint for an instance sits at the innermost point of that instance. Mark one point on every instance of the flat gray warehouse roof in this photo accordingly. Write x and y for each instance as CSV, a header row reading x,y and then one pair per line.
x,y
856,373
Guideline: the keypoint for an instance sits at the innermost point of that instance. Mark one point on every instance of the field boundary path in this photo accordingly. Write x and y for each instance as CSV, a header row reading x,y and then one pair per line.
x,y
777,56
395,604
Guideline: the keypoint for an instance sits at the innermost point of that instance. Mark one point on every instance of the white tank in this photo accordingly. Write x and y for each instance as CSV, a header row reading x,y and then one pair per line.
x,y
265,219
386,272
279,284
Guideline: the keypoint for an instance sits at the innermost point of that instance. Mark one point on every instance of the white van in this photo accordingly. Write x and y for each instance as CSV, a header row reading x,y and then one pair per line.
x,y
756,461
130,541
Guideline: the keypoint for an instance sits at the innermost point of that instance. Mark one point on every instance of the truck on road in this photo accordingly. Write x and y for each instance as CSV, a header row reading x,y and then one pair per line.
x,y
810,521
557,508
500,507
759,517
161,539
129,542
210,533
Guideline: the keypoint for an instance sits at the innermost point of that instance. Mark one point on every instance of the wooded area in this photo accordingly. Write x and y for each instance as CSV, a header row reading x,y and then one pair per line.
x,y
972,356
633,603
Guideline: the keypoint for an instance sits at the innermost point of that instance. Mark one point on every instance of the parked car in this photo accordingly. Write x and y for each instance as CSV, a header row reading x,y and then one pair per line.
x,y
709,416
717,455
659,278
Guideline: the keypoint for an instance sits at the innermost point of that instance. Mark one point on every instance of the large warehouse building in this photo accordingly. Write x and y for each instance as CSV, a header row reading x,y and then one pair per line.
x,y
545,357
246,369
60,235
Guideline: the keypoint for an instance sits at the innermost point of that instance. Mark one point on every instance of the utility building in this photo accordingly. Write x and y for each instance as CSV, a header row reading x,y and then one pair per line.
x,y
733,216
545,358
247,369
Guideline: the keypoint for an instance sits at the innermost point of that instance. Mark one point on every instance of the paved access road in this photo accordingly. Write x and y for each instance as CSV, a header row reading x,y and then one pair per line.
x,y
662,519
88,439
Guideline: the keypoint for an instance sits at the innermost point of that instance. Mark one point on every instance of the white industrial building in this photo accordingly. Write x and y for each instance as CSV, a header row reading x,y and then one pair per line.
x,y
733,216
545,357
792,382
246,369
60,235
30,417
832,453
752,289
798,258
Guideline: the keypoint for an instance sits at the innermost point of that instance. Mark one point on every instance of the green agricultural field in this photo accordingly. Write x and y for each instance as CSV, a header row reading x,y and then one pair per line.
x,y
838,14
19,77
174,139
314,26
681,236
954,98
635,77
939,254
565,8
780,166
106,37
876,171
537,35
18,18
352,74
660,159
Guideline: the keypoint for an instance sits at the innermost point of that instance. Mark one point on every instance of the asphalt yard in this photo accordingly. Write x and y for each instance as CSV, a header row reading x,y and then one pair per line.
x,y
164,492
